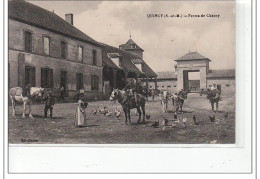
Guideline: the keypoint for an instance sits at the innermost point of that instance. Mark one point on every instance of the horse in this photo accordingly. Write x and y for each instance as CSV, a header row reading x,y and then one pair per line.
x,y
164,97
177,102
127,104
16,95
213,97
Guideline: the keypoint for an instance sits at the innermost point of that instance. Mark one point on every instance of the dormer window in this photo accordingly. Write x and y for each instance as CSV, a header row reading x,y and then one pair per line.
x,y
133,45
139,66
117,61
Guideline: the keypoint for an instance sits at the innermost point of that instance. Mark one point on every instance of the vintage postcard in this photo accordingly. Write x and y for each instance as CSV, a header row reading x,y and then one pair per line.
x,y
121,72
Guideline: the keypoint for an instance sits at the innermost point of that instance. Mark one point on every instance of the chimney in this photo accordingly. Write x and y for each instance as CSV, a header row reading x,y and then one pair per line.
x,y
69,18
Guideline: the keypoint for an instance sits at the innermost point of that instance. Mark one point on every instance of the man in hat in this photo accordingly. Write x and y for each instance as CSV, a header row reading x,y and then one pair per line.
x,y
49,103
132,87
26,91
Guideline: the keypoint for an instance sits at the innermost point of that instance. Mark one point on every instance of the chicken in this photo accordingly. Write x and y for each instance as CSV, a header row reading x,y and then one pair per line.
x,y
212,118
175,115
226,115
99,109
195,120
118,114
155,124
147,116
94,111
165,122
184,120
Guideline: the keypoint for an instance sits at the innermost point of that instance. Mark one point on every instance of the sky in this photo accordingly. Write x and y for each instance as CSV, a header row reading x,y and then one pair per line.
x,y
162,39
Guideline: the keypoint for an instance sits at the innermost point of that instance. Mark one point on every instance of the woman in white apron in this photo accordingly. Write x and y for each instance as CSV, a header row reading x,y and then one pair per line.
x,y
81,116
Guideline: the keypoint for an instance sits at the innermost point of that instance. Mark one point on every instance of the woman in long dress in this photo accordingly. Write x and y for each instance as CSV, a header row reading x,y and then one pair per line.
x,y
81,116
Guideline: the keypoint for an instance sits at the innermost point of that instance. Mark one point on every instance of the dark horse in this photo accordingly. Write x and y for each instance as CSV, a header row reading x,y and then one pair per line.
x,y
129,103
213,97
178,100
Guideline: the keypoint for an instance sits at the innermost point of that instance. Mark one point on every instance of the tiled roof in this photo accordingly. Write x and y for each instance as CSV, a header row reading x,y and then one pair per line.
x,y
228,73
25,12
166,75
127,58
192,56
128,45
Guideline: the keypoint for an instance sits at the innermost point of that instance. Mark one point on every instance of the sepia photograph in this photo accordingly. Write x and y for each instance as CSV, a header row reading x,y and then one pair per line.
x,y
121,72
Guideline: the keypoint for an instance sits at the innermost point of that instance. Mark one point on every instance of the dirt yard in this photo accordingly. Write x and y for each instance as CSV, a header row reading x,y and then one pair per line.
x,y
102,129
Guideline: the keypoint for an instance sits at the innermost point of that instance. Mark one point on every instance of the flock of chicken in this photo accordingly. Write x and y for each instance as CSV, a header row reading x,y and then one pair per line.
x,y
182,120
165,122
107,112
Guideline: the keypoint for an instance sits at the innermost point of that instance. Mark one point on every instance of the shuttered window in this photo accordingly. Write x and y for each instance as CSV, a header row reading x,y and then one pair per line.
x,y
63,50
29,75
94,82
94,54
80,54
46,45
46,78
28,41
79,78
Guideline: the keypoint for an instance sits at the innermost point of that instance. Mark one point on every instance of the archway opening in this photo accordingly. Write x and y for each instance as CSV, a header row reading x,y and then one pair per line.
x,y
191,81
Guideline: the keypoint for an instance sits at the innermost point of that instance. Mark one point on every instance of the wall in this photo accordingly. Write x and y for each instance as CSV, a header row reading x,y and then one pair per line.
x,y
38,59
16,42
162,84
224,82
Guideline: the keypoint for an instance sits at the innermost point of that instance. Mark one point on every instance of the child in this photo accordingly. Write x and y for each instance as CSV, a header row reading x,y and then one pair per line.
x,y
49,103
81,113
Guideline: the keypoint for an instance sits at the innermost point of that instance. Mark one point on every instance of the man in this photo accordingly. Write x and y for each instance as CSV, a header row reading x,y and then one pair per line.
x,y
153,94
26,91
132,87
181,94
49,103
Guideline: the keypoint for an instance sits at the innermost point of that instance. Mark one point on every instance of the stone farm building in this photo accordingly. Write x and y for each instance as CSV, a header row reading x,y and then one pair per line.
x,y
47,51
223,79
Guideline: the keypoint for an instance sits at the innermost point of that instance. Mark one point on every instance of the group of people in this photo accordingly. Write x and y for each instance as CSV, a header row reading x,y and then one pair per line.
x,y
49,101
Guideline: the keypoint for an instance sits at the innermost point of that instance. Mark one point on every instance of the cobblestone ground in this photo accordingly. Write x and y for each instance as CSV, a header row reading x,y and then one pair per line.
x,y
102,129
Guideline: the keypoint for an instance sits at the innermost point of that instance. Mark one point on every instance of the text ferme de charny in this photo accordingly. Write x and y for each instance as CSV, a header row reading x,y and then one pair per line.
x,y
182,15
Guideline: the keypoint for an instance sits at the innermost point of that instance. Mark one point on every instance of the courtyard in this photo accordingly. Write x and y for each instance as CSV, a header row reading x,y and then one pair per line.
x,y
102,129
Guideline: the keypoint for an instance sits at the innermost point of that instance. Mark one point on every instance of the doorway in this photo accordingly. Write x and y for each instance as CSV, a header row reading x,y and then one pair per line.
x,y
63,80
191,81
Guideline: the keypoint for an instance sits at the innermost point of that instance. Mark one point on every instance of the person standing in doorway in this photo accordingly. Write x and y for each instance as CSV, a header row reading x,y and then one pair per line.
x,y
62,93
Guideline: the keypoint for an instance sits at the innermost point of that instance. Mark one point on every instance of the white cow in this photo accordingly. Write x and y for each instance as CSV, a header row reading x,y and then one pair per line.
x,y
16,94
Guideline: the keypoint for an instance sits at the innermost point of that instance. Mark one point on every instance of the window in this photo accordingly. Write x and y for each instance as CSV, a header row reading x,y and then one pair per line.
x,y
162,86
120,62
28,41
46,78
139,66
174,86
133,45
227,85
150,86
94,54
29,76
94,82
169,86
63,50
79,77
80,54
46,45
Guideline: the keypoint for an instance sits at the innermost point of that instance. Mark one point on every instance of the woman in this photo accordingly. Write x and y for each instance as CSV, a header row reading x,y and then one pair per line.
x,y
81,113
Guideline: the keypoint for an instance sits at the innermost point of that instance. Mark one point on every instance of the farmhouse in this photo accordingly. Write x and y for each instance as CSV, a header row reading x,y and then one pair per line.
x,y
192,73
48,51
